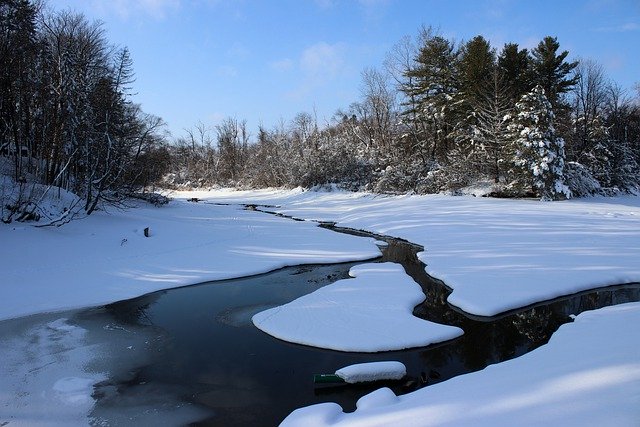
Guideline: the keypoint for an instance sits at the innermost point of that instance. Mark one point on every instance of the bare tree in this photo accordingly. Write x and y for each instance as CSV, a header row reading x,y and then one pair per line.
x,y
589,96
233,141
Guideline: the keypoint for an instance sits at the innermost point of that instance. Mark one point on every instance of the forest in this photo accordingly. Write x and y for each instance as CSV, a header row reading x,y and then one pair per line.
x,y
438,115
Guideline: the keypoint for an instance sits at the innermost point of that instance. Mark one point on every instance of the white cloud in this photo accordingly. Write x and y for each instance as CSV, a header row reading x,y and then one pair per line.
x,y
530,42
282,65
322,60
614,62
216,117
319,64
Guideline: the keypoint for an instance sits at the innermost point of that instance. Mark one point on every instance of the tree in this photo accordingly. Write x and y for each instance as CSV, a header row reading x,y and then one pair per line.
x,y
433,88
589,142
622,120
537,152
491,133
588,96
233,139
18,52
515,70
370,122
476,69
551,71
65,110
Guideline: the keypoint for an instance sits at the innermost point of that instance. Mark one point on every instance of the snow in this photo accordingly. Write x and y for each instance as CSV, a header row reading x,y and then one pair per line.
x,y
51,386
370,313
496,254
372,371
106,257
74,390
587,375
51,370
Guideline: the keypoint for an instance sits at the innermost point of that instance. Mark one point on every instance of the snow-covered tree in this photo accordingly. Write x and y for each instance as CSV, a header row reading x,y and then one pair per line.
x,y
537,151
491,133
596,155
433,77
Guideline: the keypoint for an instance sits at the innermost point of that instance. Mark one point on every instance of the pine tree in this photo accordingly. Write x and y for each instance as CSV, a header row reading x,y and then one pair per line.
x,y
433,90
515,69
537,152
550,70
476,65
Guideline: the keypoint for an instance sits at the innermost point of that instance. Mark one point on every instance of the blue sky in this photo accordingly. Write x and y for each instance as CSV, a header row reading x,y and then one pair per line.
x,y
267,60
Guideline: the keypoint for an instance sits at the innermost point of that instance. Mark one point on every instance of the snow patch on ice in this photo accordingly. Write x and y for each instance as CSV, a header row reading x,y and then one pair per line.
x,y
74,390
43,374
370,313
373,371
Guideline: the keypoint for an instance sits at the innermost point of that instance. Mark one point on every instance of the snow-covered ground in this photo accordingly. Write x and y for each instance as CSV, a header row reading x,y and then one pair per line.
x,y
106,257
496,254
587,375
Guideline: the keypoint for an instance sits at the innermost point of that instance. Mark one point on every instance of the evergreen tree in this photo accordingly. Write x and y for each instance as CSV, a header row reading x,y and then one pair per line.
x,y
515,69
597,157
551,71
476,65
475,70
537,152
434,83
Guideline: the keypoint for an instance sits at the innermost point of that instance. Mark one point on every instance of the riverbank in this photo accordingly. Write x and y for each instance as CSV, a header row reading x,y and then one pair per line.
x,y
107,257
485,249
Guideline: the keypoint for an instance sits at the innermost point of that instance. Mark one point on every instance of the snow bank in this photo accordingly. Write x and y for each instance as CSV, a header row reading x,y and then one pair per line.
x,y
106,257
372,371
587,375
496,254
370,313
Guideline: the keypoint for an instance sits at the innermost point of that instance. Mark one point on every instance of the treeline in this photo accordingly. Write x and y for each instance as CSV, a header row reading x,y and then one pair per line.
x,y
66,116
438,116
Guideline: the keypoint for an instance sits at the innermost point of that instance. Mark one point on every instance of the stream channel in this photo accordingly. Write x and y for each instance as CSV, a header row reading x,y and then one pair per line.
x,y
194,353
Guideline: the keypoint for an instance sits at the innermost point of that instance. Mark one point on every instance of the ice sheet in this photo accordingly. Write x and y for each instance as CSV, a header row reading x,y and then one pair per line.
x,y
370,313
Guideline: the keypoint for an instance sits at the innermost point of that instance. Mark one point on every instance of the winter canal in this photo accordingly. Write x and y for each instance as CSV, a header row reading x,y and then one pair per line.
x,y
191,355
